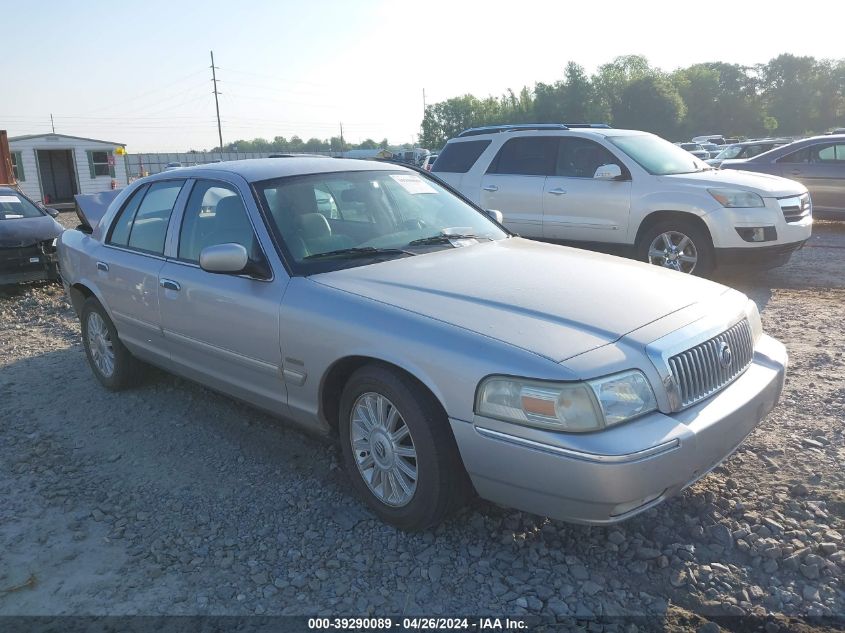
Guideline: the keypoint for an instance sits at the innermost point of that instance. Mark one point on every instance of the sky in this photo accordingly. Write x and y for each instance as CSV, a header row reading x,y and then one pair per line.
x,y
139,72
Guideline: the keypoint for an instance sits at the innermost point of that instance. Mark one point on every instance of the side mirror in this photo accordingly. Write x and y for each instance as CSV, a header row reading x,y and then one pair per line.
x,y
53,213
608,172
224,258
493,214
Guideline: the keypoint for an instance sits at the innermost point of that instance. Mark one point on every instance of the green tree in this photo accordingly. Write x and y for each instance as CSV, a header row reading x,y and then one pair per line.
x,y
649,103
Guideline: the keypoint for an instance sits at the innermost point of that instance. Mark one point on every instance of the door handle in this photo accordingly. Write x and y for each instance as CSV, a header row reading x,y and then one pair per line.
x,y
557,192
103,266
169,284
490,188
795,172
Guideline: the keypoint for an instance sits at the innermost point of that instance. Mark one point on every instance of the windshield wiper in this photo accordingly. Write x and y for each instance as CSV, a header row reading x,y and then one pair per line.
x,y
445,238
359,251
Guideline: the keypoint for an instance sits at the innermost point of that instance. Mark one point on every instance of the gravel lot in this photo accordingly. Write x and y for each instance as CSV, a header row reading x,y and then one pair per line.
x,y
171,499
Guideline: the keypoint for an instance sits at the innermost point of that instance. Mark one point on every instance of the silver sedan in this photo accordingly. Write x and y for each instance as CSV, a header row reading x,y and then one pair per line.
x,y
370,302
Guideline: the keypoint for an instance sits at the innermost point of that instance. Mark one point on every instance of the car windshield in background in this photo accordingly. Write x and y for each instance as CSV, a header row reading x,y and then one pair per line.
x,y
730,152
13,206
342,219
656,156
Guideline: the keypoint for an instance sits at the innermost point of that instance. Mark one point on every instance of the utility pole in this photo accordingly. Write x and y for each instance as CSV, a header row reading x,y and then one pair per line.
x,y
423,103
52,125
341,139
216,103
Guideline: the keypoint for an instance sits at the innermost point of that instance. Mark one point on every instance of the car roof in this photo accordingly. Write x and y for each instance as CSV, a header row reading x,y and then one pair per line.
x,y
255,169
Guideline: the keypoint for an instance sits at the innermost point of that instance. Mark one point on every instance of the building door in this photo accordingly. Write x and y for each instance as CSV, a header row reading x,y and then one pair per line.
x,y
58,177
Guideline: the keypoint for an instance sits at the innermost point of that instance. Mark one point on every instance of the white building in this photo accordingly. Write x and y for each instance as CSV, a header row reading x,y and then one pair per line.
x,y
52,168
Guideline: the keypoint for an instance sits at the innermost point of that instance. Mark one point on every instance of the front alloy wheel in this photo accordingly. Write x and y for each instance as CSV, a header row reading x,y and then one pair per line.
x,y
384,449
398,448
673,250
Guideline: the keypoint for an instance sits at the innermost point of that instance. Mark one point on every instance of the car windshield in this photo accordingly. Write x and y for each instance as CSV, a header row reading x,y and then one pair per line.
x,y
14,206
657,156
341,219
729,152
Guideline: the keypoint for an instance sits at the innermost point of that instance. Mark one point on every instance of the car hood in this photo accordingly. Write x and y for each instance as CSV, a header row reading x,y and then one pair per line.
x,y
555,301
765,185
28,231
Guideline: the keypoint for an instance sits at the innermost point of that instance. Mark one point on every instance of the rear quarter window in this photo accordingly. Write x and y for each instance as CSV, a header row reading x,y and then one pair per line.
x,y
458,158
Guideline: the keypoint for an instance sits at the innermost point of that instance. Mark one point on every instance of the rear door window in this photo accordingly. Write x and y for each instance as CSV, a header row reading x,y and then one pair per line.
x,y
149,226
458,158
119,235
831,153
526,156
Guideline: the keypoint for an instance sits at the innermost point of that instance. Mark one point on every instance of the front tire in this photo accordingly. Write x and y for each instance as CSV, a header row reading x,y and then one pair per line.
x,y
112,364
398,449
677,245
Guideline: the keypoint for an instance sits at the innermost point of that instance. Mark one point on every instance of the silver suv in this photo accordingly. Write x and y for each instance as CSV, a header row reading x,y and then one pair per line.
x,y
367,302
594,184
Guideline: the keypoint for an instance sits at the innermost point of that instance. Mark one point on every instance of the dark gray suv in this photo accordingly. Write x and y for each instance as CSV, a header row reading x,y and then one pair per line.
x,y
817,162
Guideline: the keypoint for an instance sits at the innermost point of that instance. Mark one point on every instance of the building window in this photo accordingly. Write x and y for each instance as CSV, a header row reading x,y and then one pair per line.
x,y
17,166
100,163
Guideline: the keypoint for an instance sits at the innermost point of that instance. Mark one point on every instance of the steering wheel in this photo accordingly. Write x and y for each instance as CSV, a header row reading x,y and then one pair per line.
x,y
412,225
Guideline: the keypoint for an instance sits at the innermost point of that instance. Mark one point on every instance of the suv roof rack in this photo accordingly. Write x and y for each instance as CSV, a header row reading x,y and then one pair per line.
x,y
493,129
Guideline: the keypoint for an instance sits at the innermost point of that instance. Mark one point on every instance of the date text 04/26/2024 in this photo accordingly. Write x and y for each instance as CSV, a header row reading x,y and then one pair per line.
x,y
418,624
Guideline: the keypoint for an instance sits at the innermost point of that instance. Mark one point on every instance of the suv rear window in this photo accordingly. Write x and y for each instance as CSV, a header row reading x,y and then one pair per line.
x,y
457,158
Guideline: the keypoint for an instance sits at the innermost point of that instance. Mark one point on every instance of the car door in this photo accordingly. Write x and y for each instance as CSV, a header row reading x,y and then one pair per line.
x,y
223,329
128,266
827,175
576,205
514,182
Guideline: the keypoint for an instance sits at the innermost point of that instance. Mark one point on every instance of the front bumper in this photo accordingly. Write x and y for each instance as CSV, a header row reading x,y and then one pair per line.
x,y
760,257
28,265
731,249
568,477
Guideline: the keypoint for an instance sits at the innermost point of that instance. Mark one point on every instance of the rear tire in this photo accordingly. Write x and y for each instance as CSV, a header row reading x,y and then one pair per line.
x,y
677,245
113,365
399,450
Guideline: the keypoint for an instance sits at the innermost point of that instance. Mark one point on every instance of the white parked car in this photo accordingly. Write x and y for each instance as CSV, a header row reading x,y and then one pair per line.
x,y
594,184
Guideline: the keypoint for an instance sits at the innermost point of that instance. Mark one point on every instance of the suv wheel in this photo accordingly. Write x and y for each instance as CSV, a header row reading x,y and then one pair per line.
x,y
112,364
677,245
398,449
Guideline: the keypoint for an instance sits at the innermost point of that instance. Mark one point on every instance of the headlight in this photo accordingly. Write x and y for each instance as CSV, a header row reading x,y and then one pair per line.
x,y
574,407
753,316
737,198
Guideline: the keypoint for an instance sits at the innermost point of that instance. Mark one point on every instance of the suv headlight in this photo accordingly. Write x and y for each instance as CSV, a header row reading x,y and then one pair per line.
x,y
737,198
574,407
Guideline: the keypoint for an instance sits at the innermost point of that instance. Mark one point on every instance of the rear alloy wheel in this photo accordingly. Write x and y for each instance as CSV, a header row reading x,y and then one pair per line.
x,y
679,246
112,364
399,450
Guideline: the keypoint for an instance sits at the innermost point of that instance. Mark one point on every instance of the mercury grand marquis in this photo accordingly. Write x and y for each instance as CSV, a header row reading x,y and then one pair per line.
x,y
371,302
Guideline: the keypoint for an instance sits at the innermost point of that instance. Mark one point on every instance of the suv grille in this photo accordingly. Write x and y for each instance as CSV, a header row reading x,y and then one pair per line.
x,y
710,366
796,208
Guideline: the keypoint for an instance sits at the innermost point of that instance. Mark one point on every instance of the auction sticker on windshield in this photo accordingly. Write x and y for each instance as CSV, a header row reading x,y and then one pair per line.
x,y
413,184
9,200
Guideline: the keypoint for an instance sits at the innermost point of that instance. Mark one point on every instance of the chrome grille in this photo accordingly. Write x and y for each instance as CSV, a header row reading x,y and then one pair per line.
x,y
702,371
796,208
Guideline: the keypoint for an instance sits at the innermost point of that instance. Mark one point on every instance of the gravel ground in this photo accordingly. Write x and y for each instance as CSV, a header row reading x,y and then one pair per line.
x,y
171,499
